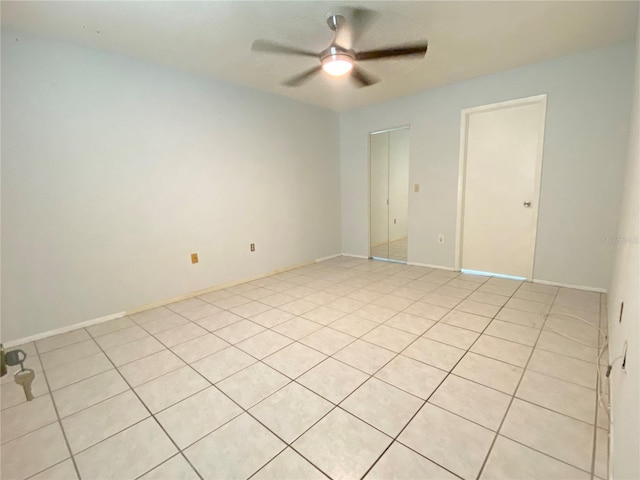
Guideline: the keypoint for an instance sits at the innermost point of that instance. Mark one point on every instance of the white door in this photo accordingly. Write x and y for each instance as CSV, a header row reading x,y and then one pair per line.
x,y
502,168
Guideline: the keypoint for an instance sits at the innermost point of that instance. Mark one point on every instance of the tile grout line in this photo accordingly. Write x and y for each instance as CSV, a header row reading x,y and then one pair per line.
x,y
304,386
429,397
55,406
261,360
151,415
243,410
397,354
290,445
598,385
335,406
513,396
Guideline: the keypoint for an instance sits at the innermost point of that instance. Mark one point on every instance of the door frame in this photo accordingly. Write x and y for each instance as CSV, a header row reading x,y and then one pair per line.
x,y
462,168
373,132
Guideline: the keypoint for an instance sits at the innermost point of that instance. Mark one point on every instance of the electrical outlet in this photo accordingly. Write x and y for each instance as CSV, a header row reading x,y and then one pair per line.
x,y
395,220
416,187
252,247
441,238
194,258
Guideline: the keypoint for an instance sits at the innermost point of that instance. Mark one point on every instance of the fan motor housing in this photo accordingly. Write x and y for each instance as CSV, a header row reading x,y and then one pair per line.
x,y
335,51
337,61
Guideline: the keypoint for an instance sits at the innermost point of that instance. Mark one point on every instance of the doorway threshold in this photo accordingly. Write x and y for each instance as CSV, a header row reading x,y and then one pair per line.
x,y
491,274
402,262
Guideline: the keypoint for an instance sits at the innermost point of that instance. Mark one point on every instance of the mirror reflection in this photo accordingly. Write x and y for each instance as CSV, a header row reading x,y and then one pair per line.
x,y
389,160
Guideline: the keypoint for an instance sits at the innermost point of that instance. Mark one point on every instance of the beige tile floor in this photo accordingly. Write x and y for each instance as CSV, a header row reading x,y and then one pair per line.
x,y
395,250
344,369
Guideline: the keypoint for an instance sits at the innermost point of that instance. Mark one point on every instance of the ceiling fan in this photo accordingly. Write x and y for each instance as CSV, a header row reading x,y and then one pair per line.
x,y
339,58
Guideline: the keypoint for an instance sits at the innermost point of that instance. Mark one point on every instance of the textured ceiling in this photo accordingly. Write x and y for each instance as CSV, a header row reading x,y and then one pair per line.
x,y
466,39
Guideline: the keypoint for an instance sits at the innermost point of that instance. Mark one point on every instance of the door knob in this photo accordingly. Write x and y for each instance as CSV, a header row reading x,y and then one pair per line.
x,y
527,204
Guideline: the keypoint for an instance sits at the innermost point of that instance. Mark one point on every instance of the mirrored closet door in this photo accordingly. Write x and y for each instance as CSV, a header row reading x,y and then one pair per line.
x,y
389,162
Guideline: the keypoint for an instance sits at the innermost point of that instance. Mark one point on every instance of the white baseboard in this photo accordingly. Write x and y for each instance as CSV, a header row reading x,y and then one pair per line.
x,y
161,303
328,257
566,285
149,306
68,328
439,267
220,286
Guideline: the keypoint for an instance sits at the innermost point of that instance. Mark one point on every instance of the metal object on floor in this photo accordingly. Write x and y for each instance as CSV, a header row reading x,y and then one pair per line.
x,y
23,377
3,365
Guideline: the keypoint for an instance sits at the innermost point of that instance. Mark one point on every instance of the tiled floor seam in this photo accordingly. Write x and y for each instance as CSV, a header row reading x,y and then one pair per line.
x,y
511,402
395,439
568,356
55,407
487,356
545,454
243,410
513,396
595,442
40,427
290,444
331,410
598,386
41,471
179,454
152,415
64,346
427,400
562,379
369,375
554,411
70,363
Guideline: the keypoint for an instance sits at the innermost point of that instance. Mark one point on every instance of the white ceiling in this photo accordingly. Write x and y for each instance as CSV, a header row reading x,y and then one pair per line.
x,y
466,39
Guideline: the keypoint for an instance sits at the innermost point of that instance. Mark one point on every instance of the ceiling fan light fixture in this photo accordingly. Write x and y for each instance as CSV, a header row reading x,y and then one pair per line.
x,y
338,59
337,64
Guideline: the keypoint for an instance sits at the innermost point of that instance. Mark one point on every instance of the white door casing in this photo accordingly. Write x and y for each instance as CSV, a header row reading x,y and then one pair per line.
x,y
500,170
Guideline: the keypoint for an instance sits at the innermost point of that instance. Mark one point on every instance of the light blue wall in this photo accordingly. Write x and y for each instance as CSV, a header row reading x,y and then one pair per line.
x,y
588,109
625,287
115,170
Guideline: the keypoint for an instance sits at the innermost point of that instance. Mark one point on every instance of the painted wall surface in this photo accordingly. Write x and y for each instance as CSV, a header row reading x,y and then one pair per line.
x,y
114,171
625,387
585,147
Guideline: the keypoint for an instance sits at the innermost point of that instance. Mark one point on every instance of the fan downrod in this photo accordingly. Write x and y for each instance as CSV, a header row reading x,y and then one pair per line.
x,y
335,22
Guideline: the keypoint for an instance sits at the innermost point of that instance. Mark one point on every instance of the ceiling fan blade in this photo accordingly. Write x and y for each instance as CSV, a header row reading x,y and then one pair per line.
x,y
362,78
416,50
272,47
302,77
